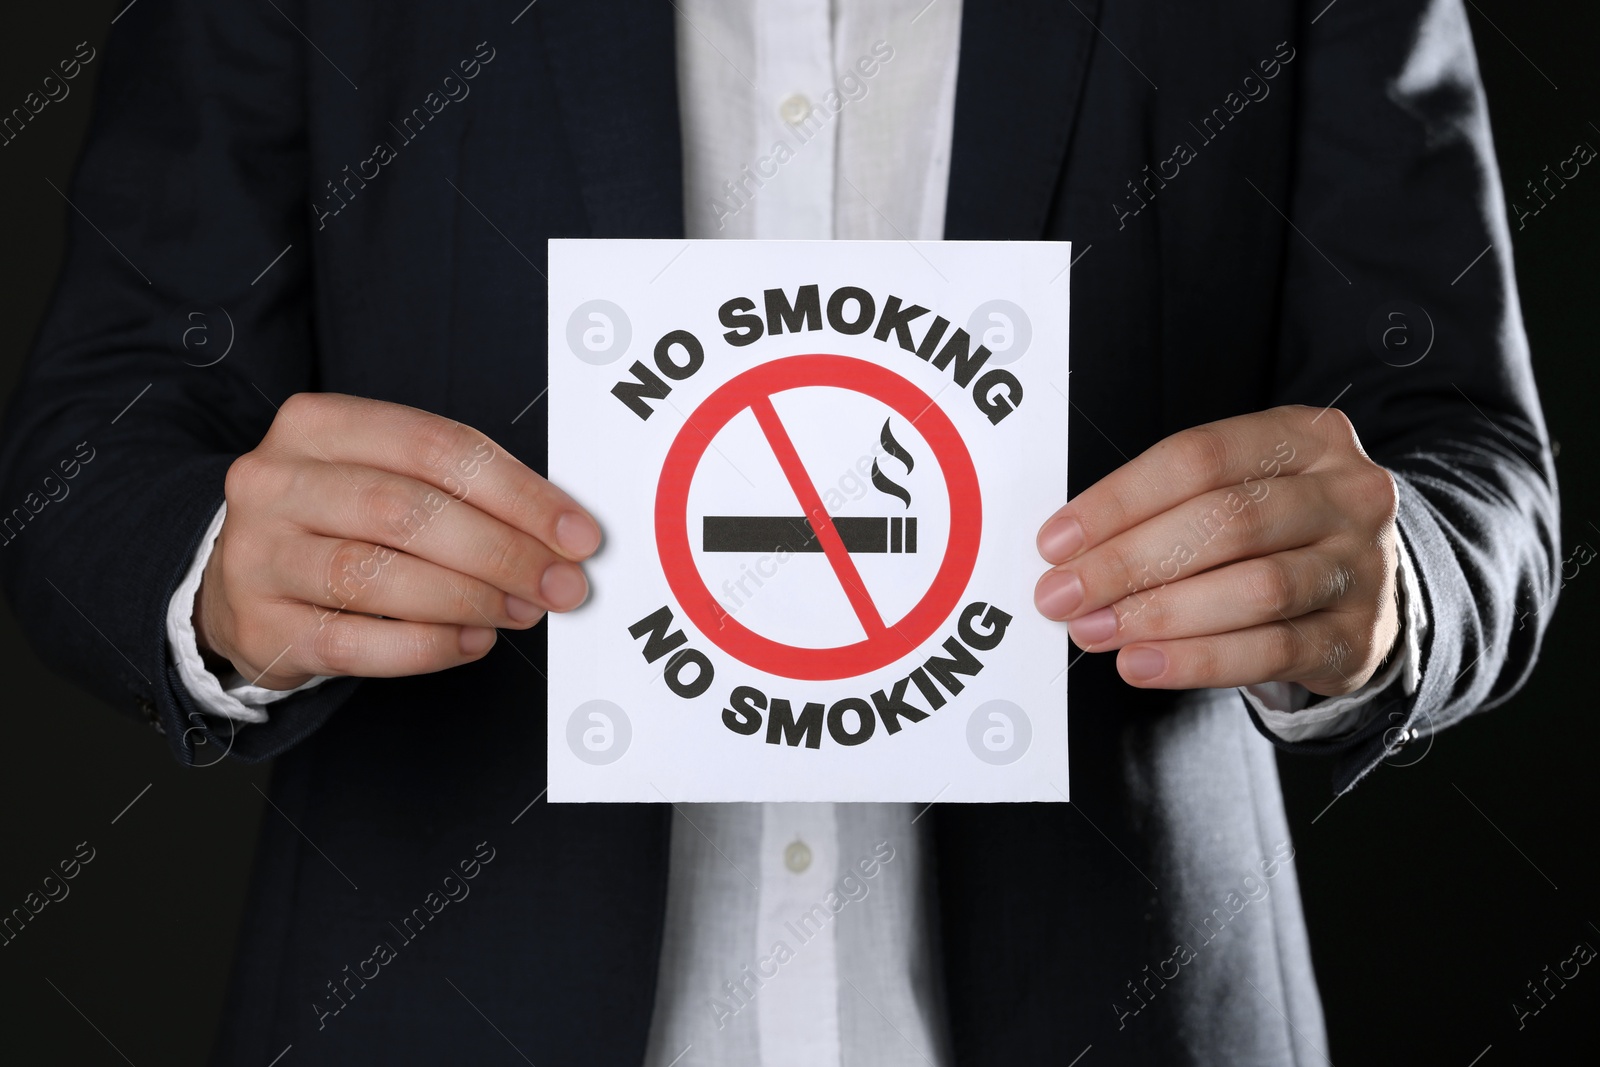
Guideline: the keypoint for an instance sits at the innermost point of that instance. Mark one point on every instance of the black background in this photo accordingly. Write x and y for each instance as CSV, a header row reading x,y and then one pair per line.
x,y
1434,892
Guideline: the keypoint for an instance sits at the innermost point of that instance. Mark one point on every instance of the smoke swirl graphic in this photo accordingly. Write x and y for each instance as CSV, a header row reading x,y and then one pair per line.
x,y
882,482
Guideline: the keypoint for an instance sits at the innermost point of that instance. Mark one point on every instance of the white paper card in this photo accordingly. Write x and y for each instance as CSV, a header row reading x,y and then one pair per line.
x,y
820,467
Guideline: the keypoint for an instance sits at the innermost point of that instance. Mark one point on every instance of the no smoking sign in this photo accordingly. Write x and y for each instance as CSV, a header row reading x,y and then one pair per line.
x,y
819,467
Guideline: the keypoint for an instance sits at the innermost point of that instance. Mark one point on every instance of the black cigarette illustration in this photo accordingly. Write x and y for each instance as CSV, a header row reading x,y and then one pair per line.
x,y
774,533
860,534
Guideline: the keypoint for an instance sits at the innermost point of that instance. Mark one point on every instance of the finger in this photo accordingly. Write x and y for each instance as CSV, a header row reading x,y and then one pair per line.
x,y
1309,649
1239,451
1285,585
458,460
376,506
321,642
377,580
1214,528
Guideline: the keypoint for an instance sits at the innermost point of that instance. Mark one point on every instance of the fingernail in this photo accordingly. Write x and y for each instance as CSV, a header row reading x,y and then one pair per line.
x,y
563,586
1058,595
475,640
577,535
1060,539
522,610
1095,627
1143,664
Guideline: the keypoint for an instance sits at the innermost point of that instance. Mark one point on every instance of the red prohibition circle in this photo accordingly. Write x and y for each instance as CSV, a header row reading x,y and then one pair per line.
x,y
753,390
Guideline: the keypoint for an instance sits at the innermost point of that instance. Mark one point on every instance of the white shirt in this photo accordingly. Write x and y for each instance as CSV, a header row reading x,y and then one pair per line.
x,y
798,934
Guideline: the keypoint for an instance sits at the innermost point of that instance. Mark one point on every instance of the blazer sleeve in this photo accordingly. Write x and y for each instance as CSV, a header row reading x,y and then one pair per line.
x,y
165,348
1396,198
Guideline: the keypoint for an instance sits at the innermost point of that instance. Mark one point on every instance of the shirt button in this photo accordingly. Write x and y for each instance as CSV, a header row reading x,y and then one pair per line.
x,y
794,109
797,857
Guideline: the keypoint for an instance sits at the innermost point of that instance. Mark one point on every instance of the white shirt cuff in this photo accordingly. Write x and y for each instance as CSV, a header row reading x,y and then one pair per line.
x,y
1281,706
230,697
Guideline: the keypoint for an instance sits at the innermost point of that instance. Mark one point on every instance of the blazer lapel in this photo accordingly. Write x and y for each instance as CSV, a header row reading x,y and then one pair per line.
x,y
1021,78
613,63
615,70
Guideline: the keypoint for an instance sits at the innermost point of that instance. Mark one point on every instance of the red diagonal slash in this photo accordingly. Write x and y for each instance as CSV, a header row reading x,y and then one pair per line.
x,y
844,568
